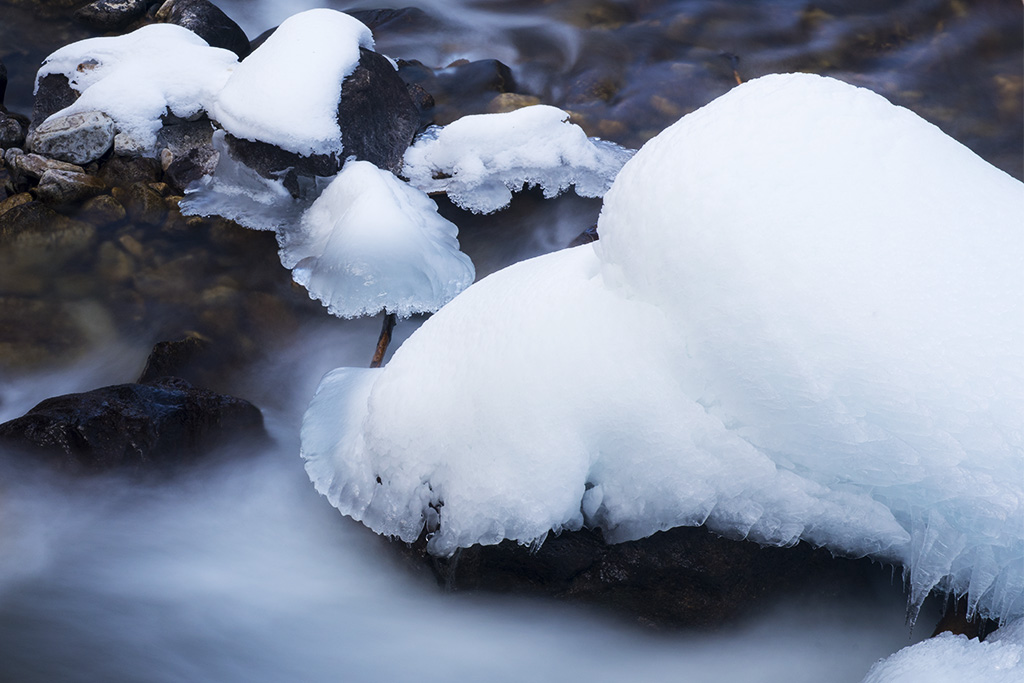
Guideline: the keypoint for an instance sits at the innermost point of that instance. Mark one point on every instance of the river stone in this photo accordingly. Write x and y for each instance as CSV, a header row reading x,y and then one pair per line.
x,y
15,200
76,138
66,187
111,14
208,22
143,204
35,165
102,211
132,426
12,133
118,171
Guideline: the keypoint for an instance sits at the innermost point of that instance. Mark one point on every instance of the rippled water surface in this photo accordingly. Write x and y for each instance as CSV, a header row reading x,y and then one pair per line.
x,y
238,571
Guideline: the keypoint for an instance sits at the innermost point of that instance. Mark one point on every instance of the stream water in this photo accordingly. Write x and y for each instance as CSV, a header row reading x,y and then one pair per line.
x,y
238,571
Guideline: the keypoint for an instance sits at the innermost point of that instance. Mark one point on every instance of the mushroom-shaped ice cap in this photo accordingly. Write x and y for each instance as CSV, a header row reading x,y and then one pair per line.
x,y
370,242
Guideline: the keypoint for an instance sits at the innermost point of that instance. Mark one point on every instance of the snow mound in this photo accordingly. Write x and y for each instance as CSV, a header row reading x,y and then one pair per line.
x,y
480,160
138,77
947,658
370,242
804,321
286,92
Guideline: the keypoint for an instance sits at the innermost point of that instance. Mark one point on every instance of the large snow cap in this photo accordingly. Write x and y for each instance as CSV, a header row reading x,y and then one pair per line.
x,y
371,242
138,77
286,92
480,160
804,320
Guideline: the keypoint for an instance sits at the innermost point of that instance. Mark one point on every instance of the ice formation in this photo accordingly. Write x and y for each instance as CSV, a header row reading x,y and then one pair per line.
x,y
370,242
480,160
804,320
947,658
138,77
286,92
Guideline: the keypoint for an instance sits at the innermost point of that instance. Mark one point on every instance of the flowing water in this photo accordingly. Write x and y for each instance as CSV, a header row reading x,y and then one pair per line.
x,y
238,571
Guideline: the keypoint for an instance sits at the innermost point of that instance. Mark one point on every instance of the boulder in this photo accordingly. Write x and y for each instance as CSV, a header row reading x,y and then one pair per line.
x,y
132,426
208,22
110,15
75,138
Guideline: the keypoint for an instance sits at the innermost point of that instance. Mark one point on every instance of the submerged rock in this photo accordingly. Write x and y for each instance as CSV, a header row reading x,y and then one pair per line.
x,y
66,187
133,426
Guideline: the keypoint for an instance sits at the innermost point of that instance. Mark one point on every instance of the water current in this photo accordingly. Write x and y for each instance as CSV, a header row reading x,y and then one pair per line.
x,y
238,571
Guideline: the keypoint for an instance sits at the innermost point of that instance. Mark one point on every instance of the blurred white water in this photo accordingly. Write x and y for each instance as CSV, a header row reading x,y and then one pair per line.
x,y
238,571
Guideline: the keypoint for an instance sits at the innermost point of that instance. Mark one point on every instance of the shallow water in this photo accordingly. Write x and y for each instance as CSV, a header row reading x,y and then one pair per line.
x,y
238,571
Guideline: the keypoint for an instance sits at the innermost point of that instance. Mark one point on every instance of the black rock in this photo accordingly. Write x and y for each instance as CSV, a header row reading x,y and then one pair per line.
x,y
395,20
461,88
132,426
208,22
3,83
684,577
377,116
111,14
53,94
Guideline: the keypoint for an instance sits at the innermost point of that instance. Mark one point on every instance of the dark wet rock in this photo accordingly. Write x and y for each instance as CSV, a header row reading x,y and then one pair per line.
x,y
119,171
3,82
109,15
67,187
102,211
75,138
12,131
377,116
208,22
53,94
143,204
190,167
15,200
682,577
132,426
194,358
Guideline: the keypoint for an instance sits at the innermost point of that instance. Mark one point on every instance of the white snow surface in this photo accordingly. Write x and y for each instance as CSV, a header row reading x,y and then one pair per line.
x,y
371,242
804,321
480,160
286,92
140,76
947,658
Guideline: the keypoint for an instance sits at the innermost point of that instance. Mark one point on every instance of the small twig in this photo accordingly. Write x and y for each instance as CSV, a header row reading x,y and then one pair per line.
x,y
383,340
734,61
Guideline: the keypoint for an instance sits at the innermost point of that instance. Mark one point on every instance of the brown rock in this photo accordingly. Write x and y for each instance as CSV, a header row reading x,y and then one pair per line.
x,y
66,187
102,210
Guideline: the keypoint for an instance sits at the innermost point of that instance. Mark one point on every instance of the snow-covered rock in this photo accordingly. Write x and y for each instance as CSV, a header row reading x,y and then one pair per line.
x,y
137,78
370,242
480,160
804,320
286,92
949,658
